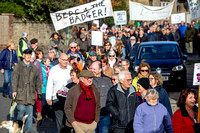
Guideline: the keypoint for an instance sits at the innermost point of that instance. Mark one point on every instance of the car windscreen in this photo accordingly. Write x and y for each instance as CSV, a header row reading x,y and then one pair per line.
x,y
162,51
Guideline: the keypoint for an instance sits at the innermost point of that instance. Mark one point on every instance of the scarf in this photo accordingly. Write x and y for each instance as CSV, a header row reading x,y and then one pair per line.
x,y
111,62
140,76
47,70
86,90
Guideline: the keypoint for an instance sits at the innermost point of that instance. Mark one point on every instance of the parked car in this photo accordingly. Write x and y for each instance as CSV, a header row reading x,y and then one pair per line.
x,y
165,58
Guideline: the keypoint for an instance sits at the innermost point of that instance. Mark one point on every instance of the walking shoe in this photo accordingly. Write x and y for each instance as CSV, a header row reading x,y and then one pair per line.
x,y
4,95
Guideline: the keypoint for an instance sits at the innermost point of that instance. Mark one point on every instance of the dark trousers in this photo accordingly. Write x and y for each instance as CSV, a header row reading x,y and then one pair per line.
x,y
182,45
118,130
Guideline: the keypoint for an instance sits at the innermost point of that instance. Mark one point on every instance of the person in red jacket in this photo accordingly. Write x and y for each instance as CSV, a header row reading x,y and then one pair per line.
x,y
184,120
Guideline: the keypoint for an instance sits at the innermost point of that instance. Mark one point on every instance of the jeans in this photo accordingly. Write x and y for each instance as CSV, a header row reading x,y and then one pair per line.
x,y
104,124
23,110
7,79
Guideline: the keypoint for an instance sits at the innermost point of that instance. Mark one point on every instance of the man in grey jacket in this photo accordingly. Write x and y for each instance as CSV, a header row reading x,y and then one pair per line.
x,y
25,82
103,84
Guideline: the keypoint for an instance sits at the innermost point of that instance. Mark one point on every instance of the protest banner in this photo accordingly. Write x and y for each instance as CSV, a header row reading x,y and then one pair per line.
x,y
196,81
97,38
177,18
103,28
120,17
149,13
194,8
87,12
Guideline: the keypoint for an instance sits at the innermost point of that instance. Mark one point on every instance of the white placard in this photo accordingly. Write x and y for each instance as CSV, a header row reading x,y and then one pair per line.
x,y
97,38
87,12
120,17
149,13
194,8
177,18
103,28
96,22
196,77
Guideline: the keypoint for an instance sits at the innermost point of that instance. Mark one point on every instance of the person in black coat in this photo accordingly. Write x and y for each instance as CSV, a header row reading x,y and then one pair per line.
x,y
159,34
142,37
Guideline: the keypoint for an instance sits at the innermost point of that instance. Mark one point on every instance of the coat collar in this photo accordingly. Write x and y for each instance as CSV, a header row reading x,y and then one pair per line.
x,y
184,112
131,89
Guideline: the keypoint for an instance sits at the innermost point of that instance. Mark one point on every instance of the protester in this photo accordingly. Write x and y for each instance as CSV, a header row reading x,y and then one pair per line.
x,y
151,116
107,46
142,37
58,78
151,36
184,120
119,50
93,56
39,55
73,39
8,61
189,35
25,81
34,44
57,43
156,82
82,106
143,71
83,42
106,69
182,29
23,45
159,34
115,79
132,48
103,84
142,86
53,56
118,69
73,50
122,102
112,59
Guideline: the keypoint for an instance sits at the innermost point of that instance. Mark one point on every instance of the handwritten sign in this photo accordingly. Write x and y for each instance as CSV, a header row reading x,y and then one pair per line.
x,y
97,38
149,13
196,77
194,8
103,28
87,12
120,17
177,18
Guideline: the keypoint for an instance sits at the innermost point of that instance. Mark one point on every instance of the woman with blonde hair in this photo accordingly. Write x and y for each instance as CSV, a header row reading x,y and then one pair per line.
x,y
119,49
8,59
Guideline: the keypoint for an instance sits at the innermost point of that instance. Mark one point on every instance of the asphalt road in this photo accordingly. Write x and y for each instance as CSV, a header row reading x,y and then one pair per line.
x,y
48,124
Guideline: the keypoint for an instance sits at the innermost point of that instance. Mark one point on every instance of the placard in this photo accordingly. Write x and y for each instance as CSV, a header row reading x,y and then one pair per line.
x,y
177,18
97,38
103,28
196,76
194,8
120,17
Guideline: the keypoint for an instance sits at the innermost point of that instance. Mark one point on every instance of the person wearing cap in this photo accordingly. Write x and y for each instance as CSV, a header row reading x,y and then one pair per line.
x,y
122,101
25,81
151,116
142,86
93,56
103,84
23,45
132,48
82,105
58,78
34,44
83,42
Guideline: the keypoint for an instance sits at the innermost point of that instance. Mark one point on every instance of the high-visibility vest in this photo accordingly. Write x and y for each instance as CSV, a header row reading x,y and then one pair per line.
x,y
24,47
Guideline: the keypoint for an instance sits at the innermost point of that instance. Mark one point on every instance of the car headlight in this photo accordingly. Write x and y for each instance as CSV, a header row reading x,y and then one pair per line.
x,y
178,68
136,68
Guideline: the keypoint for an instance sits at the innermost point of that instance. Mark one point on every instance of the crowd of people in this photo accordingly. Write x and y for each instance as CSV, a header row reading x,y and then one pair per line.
x,y
95,88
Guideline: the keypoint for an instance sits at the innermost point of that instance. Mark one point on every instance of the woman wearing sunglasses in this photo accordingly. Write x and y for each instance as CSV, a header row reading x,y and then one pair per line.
x,y
112,59
143,72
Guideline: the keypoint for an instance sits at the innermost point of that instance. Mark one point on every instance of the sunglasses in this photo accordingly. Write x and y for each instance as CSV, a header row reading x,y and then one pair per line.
x,y
111,56
73,47
144,70
114,79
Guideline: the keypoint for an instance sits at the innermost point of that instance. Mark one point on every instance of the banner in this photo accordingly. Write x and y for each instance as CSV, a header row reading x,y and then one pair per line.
x,y
196,77
76,15
177,18
194,8
149,13
97,38
120,18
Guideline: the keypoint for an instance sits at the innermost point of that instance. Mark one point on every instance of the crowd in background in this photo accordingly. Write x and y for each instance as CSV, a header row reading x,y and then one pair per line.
x,y
126,100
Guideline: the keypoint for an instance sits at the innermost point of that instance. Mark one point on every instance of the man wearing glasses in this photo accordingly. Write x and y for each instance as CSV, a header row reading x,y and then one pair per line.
x,y
122,101
73,49
58,77
82,106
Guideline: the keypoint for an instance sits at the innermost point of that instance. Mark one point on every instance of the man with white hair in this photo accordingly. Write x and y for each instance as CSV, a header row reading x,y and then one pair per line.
x,y
122,101
73,49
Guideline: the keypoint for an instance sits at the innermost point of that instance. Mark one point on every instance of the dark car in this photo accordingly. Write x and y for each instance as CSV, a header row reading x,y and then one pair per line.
x,y
165,58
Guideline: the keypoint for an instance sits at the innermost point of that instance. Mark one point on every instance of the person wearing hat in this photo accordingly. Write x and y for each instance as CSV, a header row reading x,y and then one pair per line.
x,y
93,56
131,48
23,45
82,105
83,42
25,82
142,86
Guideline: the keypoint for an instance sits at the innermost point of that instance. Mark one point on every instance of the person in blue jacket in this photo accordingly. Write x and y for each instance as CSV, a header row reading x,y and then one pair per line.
x,y
182,28
151,116
8,59
156,81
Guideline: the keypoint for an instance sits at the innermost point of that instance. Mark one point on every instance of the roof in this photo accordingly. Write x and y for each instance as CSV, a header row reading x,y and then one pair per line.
x,y
159,42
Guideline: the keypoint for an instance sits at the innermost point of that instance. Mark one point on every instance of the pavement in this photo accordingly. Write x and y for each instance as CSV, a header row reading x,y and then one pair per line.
x,y
48,124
